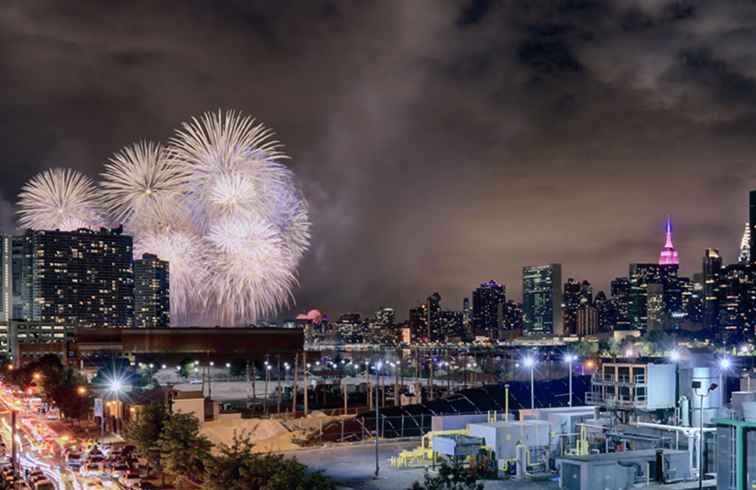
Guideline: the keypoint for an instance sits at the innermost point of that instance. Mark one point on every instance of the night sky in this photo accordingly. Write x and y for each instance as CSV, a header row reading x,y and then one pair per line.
x,y
440,143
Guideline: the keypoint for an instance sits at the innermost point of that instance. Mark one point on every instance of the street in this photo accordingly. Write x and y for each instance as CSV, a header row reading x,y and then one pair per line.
x,y
38,445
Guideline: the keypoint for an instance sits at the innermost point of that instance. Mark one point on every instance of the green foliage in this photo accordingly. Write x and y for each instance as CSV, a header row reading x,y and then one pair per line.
x,y
144,432
183,451
450,477
236,467
185,368
59,384
62,388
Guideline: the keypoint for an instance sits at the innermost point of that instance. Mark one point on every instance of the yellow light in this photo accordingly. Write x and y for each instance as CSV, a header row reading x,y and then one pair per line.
x,y
81,390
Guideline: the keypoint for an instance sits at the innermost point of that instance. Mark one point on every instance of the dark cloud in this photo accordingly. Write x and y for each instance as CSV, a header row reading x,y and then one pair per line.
x,y
440,143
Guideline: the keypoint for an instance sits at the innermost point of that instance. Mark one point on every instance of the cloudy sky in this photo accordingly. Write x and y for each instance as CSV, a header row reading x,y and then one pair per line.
x,y
440,143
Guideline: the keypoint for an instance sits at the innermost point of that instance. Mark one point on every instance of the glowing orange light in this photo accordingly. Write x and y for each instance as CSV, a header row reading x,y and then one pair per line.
x,y
81,390
590,364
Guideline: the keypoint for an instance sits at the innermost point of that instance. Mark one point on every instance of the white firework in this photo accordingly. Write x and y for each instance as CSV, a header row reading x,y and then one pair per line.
x,y
230,159
245,202
59,199
218,204
140,182
250,272
185,253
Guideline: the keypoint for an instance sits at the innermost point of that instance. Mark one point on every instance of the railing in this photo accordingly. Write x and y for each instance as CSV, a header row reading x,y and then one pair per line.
x,y
637,380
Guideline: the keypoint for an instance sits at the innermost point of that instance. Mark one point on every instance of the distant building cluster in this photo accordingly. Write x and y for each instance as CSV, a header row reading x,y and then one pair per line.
x,y
54,281
720,301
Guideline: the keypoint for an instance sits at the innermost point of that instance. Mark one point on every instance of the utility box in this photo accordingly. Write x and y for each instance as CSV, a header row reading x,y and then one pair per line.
x,y
620,471
457,445
503,437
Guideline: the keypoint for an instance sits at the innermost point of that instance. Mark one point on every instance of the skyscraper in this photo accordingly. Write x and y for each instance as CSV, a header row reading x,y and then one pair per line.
x,y
16,285
745,246
385,316
752,226
570,303
712,268
81,278
640,276
152,307
620,291
488,301
542,300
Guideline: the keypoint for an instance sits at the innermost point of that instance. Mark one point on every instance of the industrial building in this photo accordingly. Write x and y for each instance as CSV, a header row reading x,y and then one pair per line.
x,y
645,422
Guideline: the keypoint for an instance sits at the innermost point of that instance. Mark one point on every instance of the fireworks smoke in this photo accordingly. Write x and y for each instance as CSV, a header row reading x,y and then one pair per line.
x,y
217,203
59,199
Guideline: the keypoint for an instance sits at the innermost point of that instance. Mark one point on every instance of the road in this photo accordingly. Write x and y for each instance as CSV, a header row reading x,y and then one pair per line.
x,y
353,467
31,452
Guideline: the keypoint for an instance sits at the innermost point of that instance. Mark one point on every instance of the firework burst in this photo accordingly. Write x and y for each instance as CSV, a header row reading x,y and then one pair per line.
x,y
59,199
140,181
217,203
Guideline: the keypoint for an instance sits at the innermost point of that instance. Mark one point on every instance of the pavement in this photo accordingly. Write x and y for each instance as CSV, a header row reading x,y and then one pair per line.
x,y
353,468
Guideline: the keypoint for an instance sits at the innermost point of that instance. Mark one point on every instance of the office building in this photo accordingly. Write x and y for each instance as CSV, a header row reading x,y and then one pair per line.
x,y
751,225
512,317
620,292
152,306
542,300
385,317
587,320
488,301
744,257
712,268
16,285
81,278
655,315
640,276
570,303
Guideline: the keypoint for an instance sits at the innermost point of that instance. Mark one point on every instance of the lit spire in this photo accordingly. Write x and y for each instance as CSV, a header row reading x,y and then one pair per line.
x,y
668,254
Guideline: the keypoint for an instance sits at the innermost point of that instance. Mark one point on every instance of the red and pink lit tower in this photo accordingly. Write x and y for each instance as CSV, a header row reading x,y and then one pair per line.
x,y
668,254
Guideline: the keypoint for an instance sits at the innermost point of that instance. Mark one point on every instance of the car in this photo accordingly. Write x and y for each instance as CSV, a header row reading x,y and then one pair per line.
x,y
43,484
73,460
117,470
130,479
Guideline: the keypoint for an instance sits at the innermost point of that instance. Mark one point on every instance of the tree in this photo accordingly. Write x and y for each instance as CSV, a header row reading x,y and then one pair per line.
x,y
236,467
62,388
450,477
144,433
183,451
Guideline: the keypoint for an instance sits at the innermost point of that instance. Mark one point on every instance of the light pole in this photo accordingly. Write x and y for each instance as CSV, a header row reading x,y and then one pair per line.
x,y
378,367
570,358
696,385
530,363
674,356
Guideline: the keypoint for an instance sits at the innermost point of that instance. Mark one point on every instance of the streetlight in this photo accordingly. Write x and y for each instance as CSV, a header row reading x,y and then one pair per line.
x,y
81,390
569,359
530,363
696,385
674,356
725,363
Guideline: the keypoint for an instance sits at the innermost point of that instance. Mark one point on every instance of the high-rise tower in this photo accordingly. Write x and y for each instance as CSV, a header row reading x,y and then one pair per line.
x,y
745,246
668,254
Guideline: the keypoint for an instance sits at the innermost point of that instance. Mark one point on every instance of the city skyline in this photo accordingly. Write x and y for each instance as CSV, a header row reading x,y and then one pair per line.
x,y
436,152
